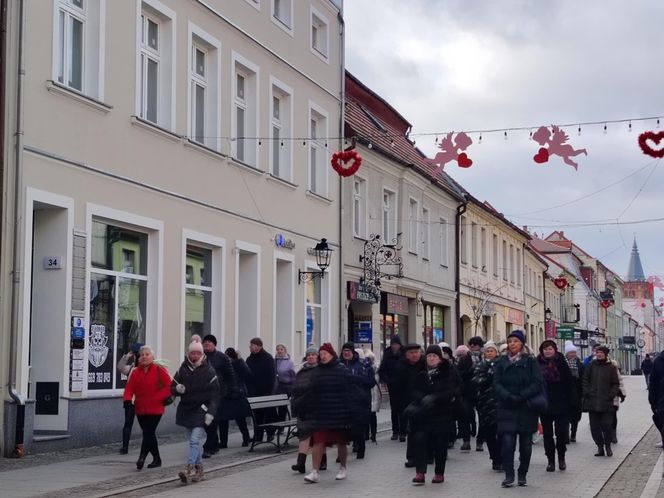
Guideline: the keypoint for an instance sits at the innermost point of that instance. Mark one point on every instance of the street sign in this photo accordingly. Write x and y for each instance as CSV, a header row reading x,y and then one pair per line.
x,y
565,332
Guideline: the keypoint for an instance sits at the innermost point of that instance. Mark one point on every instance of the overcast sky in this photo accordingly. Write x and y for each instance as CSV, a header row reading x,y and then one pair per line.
x,y
458,65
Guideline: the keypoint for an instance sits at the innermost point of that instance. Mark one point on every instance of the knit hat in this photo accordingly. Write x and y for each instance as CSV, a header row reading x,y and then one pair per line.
x,y
435,349
311,350
546,344
412,345
569,347
447,351
210,338
329,348
256,341
519,335
349,345
461,350
136,348
443,345
490,345
503,347
195,346
395,339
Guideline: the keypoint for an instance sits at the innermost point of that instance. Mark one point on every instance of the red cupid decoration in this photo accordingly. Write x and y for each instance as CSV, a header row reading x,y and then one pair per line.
x,y
542,156
656,138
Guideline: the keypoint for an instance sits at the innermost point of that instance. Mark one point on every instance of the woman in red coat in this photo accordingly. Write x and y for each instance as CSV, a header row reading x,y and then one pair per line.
x,y
149,385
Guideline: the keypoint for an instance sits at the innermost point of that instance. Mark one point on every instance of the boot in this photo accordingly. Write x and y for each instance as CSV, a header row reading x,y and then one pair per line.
x,y
609,451
198,474
521,480
508,482
124,450
438,478
156,462
562,465
186,474
419,478
299,466
551,466
600,450
465,446
140,462
323,462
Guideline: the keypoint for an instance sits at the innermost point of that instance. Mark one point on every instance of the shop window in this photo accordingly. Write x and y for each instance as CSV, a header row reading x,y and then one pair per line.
x,y
198,292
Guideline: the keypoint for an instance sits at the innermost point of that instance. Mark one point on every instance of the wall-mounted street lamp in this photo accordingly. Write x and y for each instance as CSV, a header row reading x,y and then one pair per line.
x,y
323,254
547,314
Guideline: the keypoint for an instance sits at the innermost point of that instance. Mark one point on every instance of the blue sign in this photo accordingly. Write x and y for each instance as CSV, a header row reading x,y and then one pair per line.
x,y
78,333
362,332
310,326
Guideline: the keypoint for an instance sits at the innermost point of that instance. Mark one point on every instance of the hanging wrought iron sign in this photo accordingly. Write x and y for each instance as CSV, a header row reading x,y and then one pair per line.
x,y
380,261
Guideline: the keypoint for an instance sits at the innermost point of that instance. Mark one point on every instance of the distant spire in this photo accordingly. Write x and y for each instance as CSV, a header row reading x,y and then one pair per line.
x,y
635,269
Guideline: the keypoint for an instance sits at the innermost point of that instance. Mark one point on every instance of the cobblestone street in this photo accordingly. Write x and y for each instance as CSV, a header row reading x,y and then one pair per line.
x,y
634,470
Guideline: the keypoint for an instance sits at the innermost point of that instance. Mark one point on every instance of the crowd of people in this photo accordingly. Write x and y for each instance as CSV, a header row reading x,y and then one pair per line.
x,y
500,395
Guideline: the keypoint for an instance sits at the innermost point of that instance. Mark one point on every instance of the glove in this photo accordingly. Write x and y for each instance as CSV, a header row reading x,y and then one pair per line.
x,y
127,403
179,388
208,418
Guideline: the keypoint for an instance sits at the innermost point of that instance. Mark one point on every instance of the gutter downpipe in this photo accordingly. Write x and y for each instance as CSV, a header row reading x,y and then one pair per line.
x,y
342,119
16,260
461,209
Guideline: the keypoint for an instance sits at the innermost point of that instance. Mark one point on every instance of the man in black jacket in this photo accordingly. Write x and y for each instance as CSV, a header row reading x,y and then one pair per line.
x,y
646,368
228,387
387,373
262,383
411,366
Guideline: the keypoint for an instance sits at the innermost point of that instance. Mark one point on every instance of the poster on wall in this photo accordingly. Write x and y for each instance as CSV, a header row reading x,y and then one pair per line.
x,y
100,359
438,334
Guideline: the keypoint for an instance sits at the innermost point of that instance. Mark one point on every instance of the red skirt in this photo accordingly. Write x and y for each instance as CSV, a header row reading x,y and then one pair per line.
x,y
331,437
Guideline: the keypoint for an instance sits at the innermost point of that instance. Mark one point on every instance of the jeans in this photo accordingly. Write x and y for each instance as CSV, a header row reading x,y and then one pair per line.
x,y
149,425
508,449
601,427
561,423
430,438
489,434
197,437
129,413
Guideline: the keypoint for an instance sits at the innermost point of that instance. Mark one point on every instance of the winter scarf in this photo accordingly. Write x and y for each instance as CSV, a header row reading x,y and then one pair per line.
x,y
573,366
550,372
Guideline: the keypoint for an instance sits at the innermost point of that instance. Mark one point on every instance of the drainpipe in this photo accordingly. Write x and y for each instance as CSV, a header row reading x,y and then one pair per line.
x,y
342,118
16,259
461,209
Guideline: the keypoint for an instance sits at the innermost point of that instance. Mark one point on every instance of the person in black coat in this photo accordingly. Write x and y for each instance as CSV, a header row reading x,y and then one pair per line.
x,y
229,390
387,373
656,393
576,368
431,413
197,386
560,388
262,383
235,407
363,380
409,369
646,368
487,410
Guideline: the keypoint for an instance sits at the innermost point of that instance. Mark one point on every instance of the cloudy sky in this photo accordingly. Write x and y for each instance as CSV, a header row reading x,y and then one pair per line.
x,y
455,65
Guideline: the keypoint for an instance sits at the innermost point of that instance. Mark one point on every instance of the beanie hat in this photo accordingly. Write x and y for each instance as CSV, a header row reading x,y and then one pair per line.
x,y
447,351
329,348
136,348
443,345
210,338
476,341
412,345
569,347
546,344
461,350
435,349
519,335
195,346
311,350
395,339
349,345
490,345
503,347
256,341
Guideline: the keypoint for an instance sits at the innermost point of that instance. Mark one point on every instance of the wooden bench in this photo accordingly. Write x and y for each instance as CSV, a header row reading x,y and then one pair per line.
x,y
273,401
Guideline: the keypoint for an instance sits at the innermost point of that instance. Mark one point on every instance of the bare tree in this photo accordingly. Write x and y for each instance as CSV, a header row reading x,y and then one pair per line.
x,y
481,304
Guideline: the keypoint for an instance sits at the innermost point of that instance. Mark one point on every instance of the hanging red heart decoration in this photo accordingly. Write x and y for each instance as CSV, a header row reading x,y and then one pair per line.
x,y
656,138
346,163
464,161
542,156
560,282
605,304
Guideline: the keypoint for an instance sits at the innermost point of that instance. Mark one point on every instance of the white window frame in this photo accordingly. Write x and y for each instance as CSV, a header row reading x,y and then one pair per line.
x,y
444,242
359,194
504,254
495,253
512,266
463,240
389,210
199,39
93,19
426,232
318,149
287,24
483,232
413,225
324,306
316,18
518,267
473,245
251,104
166,80
218,312
284,123
247,247
288,258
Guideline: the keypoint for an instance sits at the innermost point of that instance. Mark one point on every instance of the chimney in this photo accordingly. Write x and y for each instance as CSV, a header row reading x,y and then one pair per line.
x,y
525,228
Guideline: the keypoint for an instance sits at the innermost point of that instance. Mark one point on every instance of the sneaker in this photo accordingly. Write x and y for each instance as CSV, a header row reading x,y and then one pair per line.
x,y
465,446
312,477
438,478
508,482
521,481
418,479
341,475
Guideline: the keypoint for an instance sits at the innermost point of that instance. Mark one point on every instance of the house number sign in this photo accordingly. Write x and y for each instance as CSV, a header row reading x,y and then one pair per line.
x,y
52,263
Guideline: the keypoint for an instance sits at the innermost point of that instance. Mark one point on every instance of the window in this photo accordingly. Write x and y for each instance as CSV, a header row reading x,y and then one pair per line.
x,y
425,233
512,267
359,207
483,248
463,249
443,242
314,311
281,126
118,299
78,55
494,254
204,127
389,218
318,169
245,111
473,244
505,260
198,292
282,14
156,80
319,34
413,226
518,267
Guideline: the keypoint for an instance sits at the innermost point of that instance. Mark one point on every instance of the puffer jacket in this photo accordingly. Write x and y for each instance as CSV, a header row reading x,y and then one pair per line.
x,y
149,388
201,395
433,395
482,381
600,386
285,371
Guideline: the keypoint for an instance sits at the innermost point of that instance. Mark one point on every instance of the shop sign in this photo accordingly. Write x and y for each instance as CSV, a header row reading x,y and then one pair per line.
x,y
100,358
396,305
514,316
550,329
356,291
362,332
628,339
283,242
580,338
565,332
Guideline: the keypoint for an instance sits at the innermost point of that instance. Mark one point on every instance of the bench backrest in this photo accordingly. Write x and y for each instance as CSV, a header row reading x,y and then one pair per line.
x,y
274,400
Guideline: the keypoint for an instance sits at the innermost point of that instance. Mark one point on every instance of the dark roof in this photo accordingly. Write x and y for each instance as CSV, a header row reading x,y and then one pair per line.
x,y
635,269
